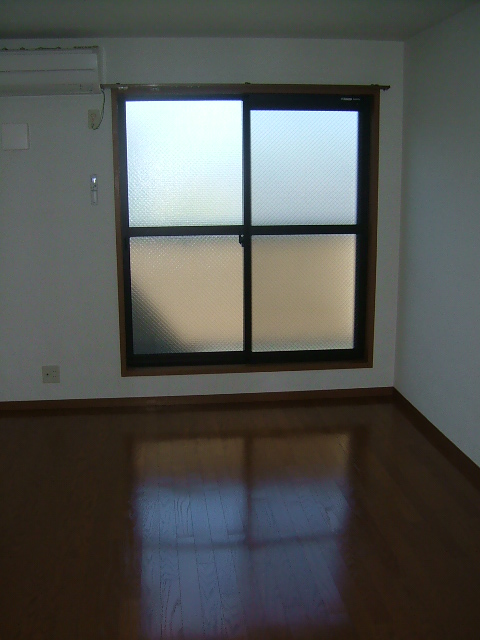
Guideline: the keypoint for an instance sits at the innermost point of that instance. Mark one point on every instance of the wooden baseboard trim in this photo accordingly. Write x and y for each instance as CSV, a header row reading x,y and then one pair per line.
x,y
162,401
446,447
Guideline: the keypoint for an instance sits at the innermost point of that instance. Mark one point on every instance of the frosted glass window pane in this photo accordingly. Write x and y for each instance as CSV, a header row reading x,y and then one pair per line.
x,y
184,162
187,294
304,167
303,292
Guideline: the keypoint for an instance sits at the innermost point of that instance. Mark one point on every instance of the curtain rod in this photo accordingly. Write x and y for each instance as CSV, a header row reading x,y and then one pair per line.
x,y
253,88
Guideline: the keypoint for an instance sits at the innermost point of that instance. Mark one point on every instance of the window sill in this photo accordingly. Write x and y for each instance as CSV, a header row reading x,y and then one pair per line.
x,y
129,371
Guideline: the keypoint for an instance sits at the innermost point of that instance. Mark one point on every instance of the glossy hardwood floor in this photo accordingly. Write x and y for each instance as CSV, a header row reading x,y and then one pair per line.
x,y
265,521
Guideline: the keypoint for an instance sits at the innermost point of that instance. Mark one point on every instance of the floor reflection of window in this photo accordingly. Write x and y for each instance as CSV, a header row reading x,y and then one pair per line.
x,y
238,533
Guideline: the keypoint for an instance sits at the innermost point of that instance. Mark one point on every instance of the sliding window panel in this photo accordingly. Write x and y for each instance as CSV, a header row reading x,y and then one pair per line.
x,y
303,292
187,294
304,167
184,162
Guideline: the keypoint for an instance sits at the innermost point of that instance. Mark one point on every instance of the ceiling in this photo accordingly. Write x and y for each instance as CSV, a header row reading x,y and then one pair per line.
x,y
358,19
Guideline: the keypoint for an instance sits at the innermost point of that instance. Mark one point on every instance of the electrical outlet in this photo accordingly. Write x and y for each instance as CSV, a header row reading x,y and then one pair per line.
x,y
51,373
93,118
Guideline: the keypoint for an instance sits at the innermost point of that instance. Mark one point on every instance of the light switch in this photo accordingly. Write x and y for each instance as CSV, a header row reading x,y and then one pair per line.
x,y
15,136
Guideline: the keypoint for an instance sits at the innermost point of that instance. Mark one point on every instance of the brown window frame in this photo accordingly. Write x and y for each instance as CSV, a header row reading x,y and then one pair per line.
x,y
365,359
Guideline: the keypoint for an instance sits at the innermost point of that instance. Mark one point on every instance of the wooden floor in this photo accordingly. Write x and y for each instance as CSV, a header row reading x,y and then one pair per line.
x,y
264,521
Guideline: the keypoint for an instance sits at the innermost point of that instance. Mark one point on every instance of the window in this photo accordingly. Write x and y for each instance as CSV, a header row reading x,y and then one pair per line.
x,y
246,226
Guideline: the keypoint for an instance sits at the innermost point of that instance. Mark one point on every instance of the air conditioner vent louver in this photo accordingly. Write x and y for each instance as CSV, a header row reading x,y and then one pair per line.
x,y
37,72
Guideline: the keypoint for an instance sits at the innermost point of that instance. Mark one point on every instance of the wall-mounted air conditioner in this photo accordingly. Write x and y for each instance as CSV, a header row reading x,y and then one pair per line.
x,y
37,72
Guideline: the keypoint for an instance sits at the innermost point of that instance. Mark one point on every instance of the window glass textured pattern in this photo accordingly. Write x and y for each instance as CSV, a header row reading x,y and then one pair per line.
x,y
184,162
303,292
304,167
187,294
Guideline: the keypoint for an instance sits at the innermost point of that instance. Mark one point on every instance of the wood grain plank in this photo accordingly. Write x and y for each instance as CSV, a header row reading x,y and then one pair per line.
x,y
307,520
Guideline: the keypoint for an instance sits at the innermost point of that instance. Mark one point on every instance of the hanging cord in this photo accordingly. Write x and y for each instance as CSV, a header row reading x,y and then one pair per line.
x,y
102,111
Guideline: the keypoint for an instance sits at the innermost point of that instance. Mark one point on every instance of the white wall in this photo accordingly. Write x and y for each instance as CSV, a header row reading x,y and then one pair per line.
x,y
58,288
438,349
